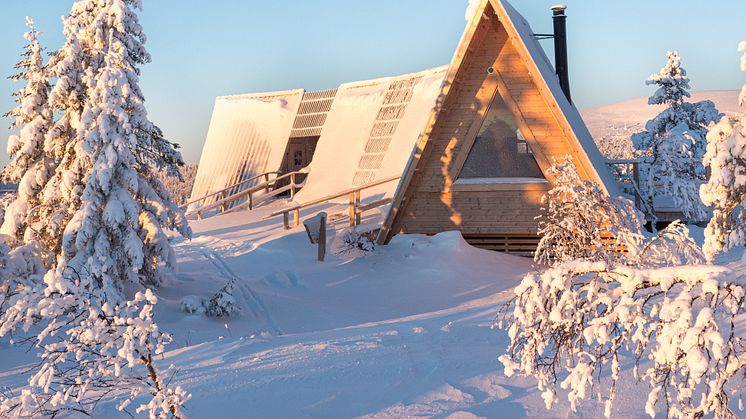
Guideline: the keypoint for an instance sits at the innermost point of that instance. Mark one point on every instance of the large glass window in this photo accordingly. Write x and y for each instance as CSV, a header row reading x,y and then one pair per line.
x,y
500,151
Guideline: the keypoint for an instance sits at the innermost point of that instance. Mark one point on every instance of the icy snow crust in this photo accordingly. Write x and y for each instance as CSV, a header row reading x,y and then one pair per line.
x,y
404,331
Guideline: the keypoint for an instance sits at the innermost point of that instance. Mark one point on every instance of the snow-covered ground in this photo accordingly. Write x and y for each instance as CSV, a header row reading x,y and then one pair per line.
x,y
404,331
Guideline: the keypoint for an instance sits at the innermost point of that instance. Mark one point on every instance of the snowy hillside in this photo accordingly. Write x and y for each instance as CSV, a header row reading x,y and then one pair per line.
x,y
400,332
612,125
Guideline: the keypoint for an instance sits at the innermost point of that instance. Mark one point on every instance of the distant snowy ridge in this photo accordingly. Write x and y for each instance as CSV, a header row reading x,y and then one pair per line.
x,y
612,125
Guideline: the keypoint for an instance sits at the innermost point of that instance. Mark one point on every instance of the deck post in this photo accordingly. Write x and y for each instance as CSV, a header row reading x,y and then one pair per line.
x,y
199,215
285,221
636,179
296,217
357,205
322,237
352,209
266,182
292,185
251,201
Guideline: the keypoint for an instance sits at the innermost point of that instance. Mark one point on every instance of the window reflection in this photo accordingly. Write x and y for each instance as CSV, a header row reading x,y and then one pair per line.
x,y
500,150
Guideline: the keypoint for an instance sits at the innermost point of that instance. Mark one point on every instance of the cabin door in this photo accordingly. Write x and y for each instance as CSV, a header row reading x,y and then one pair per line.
x,y
296,156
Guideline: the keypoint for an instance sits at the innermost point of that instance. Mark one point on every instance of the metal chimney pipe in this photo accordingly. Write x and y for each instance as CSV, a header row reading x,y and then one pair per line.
x,y
560,48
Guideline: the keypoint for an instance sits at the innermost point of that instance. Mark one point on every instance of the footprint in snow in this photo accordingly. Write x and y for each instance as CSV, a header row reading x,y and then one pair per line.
x,y
283,280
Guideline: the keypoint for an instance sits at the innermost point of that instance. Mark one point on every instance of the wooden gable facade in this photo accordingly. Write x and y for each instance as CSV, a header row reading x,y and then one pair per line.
x,y
499,84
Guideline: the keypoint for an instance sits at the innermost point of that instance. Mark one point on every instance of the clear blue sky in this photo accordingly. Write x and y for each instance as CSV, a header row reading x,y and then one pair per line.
x,y
205,49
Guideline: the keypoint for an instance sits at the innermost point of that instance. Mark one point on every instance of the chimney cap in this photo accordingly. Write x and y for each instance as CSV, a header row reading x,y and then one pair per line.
x,y
559,8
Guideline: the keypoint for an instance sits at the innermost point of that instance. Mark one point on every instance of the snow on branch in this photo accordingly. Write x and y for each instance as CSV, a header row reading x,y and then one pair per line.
x,y
725,189
609,294
579,220
572,326
90,349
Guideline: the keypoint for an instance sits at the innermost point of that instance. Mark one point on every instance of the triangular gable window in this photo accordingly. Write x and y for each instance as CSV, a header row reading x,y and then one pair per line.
x,y
500,151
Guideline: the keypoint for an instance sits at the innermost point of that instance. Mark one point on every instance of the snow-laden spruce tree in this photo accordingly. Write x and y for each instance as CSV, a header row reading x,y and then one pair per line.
x,y
30,166
579,220
725,190
674,142
105,209
103,215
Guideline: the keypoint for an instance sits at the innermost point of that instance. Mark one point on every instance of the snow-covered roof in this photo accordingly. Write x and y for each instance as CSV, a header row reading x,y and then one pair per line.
x,y
248,136
370,131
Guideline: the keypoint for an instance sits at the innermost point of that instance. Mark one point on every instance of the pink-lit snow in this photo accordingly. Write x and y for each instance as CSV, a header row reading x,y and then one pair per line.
x,y
403,331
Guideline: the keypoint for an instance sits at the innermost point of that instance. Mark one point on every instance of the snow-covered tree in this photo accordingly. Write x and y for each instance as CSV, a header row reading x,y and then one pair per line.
x,y
725,190
674,142
180,189
579,220
602,299
105,200
90,350
29,165
102,214
742,48
578,319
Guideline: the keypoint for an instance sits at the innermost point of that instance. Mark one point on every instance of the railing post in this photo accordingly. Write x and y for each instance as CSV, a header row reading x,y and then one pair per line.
x,y
285,221
292,185
296,216
322,237
357,205
266,182
352,209
636,179
251,201
199,215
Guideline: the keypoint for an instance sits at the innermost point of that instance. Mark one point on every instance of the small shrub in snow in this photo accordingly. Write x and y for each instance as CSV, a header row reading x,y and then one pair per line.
x,y
192,304
579,220
222,304
673,143
352,242
579,318
726,188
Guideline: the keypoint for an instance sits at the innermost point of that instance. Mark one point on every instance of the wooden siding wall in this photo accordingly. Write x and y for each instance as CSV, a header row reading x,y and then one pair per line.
x,y
432,203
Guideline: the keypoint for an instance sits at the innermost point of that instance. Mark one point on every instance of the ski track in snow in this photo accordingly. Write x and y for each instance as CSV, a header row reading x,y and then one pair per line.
x,y
250,299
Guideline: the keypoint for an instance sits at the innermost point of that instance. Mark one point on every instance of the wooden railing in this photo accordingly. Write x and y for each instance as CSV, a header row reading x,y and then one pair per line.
x,y
223,204
355,210
234,186
627,172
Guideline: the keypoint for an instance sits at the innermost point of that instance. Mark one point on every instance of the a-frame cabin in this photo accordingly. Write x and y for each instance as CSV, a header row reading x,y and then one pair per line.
x,y
480,165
